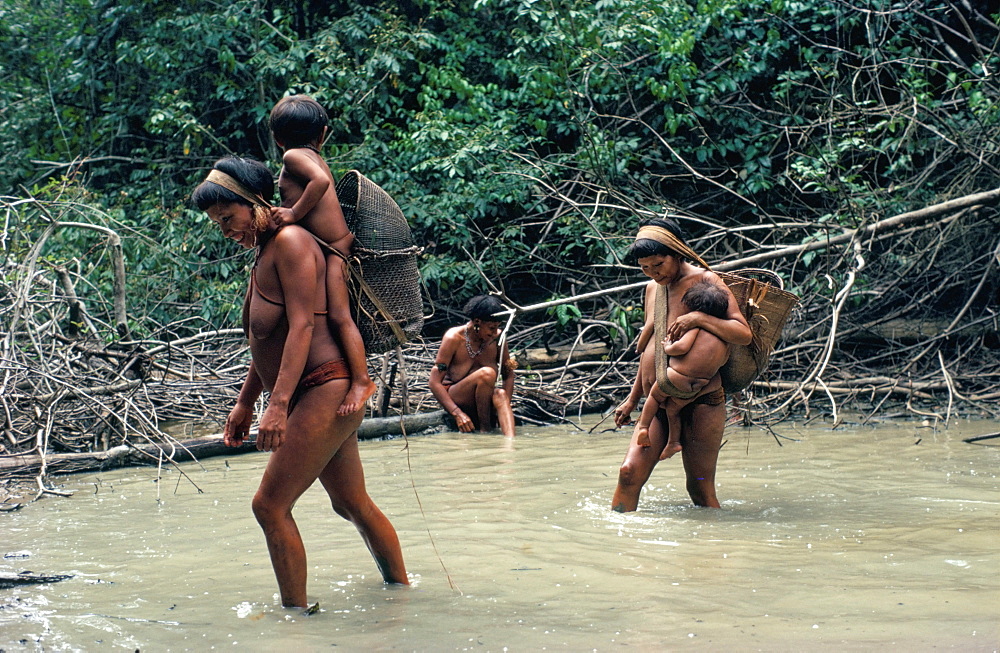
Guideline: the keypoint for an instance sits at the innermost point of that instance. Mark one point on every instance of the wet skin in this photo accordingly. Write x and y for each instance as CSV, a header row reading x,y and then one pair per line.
x,y
471,396
701,425
309,439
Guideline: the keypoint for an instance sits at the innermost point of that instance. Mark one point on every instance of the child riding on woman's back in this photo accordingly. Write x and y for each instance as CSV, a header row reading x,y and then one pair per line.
x,y
308,198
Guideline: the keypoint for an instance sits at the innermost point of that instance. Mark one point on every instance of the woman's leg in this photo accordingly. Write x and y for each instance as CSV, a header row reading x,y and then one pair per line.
x,y
338,306
344,481
638,465
313,435
474,395
701,437
486,382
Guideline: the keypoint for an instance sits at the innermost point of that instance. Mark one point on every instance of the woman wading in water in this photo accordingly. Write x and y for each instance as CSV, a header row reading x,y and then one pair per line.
x,y
663,256
297,360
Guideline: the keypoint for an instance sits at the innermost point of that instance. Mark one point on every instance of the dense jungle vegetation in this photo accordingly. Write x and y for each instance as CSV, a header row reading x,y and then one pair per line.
x,y
524,140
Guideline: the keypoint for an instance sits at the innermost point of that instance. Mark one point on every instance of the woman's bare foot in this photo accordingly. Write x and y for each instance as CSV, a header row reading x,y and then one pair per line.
x,y
642,435
357,395
670,450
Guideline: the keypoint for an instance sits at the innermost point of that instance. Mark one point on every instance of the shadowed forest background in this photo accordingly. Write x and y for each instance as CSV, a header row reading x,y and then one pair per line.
x,y
524,140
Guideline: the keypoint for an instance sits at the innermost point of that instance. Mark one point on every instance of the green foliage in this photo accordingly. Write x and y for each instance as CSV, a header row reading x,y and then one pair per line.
x,y
565,314
625,319
517,135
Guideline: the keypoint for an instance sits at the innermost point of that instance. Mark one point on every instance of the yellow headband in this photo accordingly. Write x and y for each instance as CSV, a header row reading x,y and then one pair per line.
x,y
667,238
232,184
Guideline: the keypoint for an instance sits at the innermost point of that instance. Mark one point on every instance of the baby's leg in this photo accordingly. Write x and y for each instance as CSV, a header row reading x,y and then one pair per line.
x,y
338,305
653,401
672,407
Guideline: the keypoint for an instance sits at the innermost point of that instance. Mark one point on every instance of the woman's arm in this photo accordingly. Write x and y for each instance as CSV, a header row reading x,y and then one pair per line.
x,y
623,412
649,297
446,353
296,259
734,329
237,426
507,371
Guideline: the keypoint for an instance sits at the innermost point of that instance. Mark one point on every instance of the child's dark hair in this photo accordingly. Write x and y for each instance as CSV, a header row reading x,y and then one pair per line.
x,y
707,298
644,247
297,121
249,172
484,307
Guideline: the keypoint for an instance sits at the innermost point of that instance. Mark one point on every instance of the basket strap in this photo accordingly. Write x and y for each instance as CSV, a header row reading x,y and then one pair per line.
x,y
659,333
355,273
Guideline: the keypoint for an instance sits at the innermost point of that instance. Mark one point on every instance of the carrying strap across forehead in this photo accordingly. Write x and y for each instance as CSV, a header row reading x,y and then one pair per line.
x,y
232,184
667,238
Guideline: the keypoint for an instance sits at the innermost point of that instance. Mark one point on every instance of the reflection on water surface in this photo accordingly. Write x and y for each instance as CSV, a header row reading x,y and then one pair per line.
x,y
849,538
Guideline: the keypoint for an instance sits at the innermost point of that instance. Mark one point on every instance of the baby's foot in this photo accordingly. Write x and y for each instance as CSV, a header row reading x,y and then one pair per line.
x,y
642,436
670,450
357,395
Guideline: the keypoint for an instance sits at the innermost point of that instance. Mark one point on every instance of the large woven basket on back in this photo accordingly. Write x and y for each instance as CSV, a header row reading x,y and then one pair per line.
x,y
385,282
766,308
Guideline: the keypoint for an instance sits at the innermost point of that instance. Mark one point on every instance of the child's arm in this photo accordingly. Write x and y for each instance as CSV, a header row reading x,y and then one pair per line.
x,y
300,166
734,329
682,345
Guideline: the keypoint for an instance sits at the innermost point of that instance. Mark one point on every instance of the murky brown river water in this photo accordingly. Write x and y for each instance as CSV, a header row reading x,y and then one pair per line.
x,y
854,538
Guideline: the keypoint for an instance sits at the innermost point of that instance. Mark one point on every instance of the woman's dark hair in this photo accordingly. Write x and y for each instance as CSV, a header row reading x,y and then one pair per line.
x,y
249,172
297,121
484,307
707,298
645,247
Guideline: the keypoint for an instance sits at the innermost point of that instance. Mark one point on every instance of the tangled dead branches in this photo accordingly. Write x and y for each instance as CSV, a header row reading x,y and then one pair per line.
x,y
901,312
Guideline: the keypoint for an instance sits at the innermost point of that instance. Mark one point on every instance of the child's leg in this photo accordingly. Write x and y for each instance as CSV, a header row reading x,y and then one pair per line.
x,y
649,409
682,382
672,407
338,305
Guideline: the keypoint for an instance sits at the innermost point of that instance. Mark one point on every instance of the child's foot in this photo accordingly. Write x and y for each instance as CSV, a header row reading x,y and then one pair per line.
x,y
670,450
642,436
357,395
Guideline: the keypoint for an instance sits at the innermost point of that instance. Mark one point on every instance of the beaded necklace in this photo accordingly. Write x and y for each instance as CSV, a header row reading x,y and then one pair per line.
x,y
468,345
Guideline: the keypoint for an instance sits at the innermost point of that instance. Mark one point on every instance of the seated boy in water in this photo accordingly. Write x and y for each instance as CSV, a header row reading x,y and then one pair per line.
x,y
692,370
309,198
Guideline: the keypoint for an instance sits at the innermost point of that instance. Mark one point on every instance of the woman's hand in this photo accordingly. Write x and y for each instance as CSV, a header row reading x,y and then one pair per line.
x,y
271,432
237,426
463,421
684,323
623,414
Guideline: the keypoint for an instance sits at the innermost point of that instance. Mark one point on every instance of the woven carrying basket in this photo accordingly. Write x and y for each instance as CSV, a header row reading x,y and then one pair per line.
x,y
385,282
766,307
